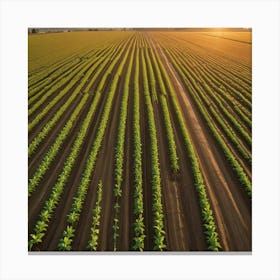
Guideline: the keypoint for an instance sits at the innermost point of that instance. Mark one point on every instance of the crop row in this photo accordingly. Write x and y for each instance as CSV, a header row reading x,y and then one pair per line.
x,y
70,81
235,83
225,64
232,81
49,125
229,116
233,78
78,77
206,70
152,78
173,156
188,72
139,227
230,86
119,150
158,75
60,53
57,190
158,225
96,215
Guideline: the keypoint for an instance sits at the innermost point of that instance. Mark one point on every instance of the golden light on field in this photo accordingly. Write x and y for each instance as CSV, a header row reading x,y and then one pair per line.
x,y
140,140
217,29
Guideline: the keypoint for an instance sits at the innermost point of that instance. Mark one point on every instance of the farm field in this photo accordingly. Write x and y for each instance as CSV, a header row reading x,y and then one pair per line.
x,y
140,140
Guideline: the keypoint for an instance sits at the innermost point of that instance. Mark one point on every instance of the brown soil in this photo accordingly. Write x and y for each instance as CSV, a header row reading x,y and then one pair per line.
x,y
182,214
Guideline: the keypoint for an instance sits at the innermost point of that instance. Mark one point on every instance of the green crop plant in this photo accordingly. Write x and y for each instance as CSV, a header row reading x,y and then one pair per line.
x,y
119,150
151,76
139,227
158,74
35,239
96,214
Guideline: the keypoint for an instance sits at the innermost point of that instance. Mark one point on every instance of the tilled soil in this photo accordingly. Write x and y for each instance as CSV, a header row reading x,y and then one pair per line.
x,y
183,223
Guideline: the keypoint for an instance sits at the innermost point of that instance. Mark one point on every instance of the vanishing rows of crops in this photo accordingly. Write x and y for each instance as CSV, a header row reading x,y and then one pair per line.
x,y
48,51
234,73
53,150
231,132
71,106
50,205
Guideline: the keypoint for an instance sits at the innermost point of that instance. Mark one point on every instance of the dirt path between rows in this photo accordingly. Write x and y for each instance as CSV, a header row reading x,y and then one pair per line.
x,y
231,208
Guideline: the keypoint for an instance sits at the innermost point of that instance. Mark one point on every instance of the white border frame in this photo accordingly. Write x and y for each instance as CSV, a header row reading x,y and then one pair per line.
x,y
17,16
